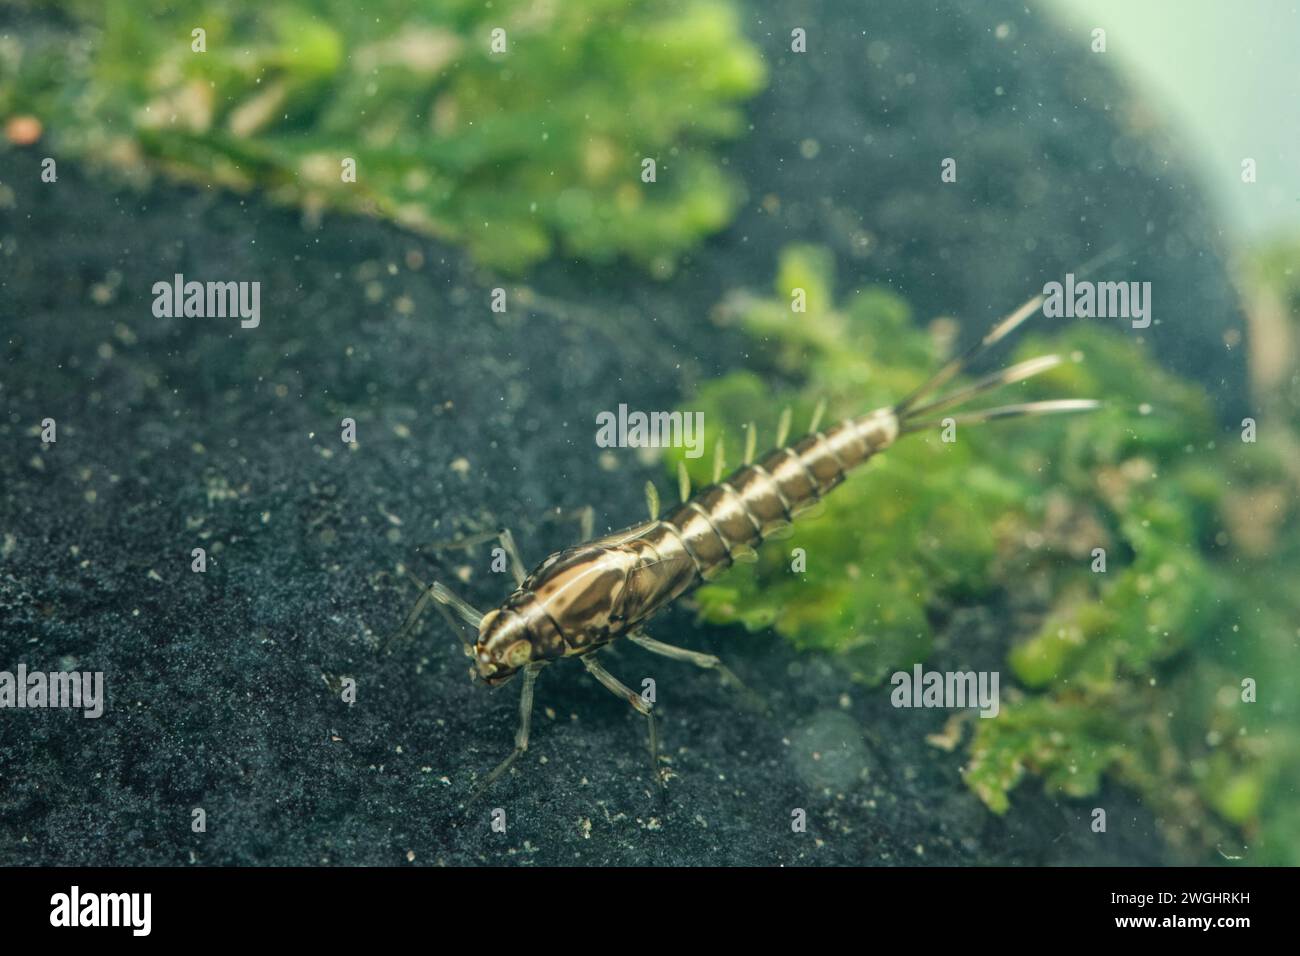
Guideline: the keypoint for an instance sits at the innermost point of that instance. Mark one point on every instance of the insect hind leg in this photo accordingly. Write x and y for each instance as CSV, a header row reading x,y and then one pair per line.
x,y
639,704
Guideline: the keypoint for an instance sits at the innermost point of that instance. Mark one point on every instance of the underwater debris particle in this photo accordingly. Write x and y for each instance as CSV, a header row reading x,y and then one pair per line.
x,y
23,130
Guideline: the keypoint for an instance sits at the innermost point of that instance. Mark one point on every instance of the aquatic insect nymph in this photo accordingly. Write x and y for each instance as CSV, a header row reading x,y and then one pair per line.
x,y
581,599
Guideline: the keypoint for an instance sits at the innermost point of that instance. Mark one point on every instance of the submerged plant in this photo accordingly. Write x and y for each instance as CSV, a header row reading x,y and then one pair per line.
x,y
515,128
1145,544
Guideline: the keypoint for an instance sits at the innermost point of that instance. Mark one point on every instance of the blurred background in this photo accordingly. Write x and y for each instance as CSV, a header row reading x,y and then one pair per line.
x,y
1229,104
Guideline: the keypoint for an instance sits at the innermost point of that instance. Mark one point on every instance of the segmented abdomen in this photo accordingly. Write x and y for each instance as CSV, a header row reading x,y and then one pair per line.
x,y
704,536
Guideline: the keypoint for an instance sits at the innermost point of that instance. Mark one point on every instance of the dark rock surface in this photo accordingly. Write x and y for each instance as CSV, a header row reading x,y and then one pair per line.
x,y
183,433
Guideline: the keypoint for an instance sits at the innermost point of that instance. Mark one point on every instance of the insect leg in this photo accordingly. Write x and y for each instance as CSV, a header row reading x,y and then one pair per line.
x,y
521,735
448,603
639,704
586,520
706,661
503,535
512,552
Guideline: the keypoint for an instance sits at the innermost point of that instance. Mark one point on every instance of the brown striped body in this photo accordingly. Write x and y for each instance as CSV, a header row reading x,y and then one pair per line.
x,y
582,598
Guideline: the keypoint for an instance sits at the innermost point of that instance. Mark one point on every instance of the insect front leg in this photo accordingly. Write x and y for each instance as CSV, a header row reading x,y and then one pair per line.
x,y
521,735
706,661
451,606
639,704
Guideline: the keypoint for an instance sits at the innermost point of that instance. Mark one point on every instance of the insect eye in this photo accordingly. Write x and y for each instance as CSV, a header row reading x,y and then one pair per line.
x,y
518,653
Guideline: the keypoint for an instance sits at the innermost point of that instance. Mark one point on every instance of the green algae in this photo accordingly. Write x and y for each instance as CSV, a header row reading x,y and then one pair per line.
x,y
1133,672
517,151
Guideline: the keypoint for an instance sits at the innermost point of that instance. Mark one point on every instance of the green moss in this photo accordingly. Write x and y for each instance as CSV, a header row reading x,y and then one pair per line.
x,y
1070,743
514,154
1134,671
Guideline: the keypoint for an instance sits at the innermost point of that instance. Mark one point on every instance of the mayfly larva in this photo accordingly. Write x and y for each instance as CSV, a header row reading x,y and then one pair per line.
x,y
580,599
